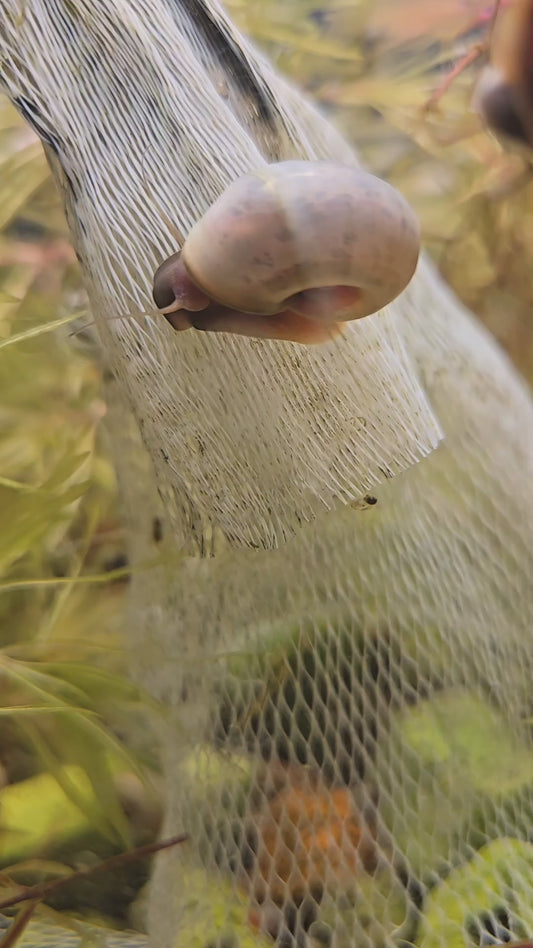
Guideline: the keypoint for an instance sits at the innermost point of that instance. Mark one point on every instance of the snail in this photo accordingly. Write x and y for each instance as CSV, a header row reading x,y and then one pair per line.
x,y
293,251
504,94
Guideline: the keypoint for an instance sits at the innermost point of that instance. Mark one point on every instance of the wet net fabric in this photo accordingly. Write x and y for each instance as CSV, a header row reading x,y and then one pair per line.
x,y
139,162
350,672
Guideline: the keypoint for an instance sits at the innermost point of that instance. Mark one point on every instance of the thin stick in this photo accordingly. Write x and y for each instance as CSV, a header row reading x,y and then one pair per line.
x,y
149,312
18,925
470,57
43,889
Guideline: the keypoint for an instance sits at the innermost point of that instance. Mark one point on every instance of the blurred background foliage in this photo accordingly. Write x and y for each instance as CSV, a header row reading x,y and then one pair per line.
x,y
75,749
374,67
75,733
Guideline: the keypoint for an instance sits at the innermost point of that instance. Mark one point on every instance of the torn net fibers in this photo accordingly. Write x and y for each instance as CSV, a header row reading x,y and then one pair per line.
x,y
349,679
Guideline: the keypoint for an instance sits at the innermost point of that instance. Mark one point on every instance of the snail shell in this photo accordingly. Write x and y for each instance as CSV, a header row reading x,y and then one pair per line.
x,y
504,94
295,244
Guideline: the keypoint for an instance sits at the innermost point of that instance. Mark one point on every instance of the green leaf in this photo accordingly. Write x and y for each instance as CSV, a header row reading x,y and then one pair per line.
x,y
499,875
65,469
38,811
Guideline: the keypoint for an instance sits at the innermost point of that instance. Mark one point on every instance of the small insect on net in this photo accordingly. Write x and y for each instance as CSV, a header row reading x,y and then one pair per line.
x,y
341,621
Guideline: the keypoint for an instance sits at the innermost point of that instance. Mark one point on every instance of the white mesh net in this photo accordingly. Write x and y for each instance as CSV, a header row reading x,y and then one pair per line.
x,y
134,155
351,750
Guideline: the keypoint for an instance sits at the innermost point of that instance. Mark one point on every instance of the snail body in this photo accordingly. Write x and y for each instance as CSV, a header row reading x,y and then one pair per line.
x,y
504,94
292,251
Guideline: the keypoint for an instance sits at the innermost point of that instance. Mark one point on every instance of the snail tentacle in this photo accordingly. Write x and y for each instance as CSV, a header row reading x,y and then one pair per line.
x,y
174,290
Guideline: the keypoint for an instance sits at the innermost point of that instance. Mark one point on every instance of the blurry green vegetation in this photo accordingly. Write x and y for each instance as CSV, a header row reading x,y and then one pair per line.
x,y
448,745
77,746
489,895
220,914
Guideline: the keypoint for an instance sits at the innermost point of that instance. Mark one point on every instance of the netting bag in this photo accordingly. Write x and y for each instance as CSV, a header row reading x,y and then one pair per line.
x,y
341,623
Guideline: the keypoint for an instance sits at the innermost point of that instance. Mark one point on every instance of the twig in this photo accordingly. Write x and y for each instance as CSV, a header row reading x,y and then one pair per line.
x,y
18,925
469,57
43,889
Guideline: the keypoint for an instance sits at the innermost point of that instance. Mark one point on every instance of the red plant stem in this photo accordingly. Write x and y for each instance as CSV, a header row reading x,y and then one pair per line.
x,y
17,927
470,57
40,891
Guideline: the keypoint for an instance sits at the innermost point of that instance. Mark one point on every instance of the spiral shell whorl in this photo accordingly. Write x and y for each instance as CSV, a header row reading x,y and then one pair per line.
x,y
299,225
